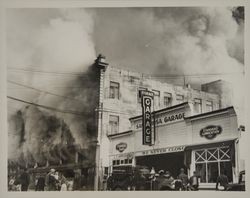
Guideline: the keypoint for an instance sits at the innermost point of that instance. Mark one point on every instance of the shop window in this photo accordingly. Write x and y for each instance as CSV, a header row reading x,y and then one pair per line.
x,y
167,99
179,98
209,106
114,90
139,94
122,162
114,124
201,169
106,170
197,105
212,172
209,163
117,162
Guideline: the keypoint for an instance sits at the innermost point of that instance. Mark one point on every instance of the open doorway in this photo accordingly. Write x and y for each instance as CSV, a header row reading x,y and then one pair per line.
x,y
172,162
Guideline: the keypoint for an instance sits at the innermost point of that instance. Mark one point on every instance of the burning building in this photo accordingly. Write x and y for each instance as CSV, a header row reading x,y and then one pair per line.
x,y
81,140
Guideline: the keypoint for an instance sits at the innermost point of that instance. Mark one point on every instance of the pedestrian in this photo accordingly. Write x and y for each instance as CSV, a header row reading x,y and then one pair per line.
x,y
194,181
11,186
24,180
51,181
40,184
184,179
77,181
160,179
168,182
63,183
110,182
222,181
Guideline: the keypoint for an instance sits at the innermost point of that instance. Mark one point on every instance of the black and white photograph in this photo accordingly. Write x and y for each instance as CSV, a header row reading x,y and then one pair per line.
x,y
136,98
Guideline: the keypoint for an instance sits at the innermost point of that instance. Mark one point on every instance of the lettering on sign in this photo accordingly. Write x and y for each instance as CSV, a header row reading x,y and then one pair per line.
x,y
161,150
121,146
165,119
147,126
210,131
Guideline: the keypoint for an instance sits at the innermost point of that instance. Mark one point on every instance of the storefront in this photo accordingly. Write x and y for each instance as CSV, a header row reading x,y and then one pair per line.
x,y
206,143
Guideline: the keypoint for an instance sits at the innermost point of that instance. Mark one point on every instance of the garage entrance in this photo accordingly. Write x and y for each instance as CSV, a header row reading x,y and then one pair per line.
x,y
172,162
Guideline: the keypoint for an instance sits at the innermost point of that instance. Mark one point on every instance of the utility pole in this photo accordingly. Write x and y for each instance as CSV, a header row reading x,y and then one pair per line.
x,y
100,62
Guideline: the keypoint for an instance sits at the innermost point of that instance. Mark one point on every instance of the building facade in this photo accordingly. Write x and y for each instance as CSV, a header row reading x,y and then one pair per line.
x,y
120,100
206,143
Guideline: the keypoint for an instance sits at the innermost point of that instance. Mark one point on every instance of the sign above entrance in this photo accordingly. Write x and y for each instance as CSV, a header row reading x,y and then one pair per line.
x,y
165,119
147,124
210,131
121,146
161,151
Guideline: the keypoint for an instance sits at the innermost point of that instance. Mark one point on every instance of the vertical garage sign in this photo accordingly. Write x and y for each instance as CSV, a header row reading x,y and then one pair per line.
x,y
148,131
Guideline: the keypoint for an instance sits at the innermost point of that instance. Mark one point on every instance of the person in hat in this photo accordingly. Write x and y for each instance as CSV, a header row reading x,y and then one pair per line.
x,y
194,181
51,181
24,180
184,179
40,184
160,179
222,181
168,183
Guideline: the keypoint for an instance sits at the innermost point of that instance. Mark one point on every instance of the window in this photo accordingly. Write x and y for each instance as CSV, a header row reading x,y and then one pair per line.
x,y
197,105
179,98
122,162
114,90
139,93
209,106
167,99
106,170
209,163
114,124
156,98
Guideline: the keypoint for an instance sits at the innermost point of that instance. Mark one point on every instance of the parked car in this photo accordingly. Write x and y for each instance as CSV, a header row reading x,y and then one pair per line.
x,y
128,178
240,186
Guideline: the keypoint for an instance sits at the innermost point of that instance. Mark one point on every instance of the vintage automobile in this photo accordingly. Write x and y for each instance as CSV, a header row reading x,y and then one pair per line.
x,y
128,178
240,186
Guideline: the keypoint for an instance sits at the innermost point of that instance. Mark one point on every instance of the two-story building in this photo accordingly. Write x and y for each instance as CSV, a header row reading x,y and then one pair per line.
x,y
120,100
206,143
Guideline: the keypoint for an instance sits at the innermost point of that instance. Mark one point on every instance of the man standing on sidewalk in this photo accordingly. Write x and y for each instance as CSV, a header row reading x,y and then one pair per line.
x,y
24,180
222,179
194,182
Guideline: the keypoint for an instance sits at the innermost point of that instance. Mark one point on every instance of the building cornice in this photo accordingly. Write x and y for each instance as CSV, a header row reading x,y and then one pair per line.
x,y
226,110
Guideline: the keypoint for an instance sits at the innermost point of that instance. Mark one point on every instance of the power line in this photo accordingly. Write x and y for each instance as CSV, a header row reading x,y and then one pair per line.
x,y
47,107
82,74
47,92
47,72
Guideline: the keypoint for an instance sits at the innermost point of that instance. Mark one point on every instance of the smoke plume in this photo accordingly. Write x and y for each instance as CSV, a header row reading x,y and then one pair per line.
x,y
158,41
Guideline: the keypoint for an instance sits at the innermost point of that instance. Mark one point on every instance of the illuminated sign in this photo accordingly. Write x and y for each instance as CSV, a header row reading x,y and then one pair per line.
x,y
121,146
147,127
210,131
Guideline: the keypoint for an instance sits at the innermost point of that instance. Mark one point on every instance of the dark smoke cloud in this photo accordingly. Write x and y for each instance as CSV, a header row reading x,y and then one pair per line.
x,y
149,40
185,40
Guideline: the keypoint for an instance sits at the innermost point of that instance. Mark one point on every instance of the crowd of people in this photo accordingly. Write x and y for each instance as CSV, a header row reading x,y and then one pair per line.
x,y
163,180
51,181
